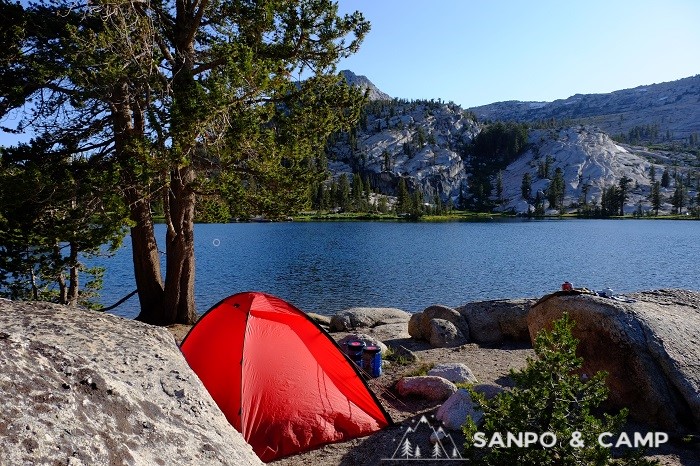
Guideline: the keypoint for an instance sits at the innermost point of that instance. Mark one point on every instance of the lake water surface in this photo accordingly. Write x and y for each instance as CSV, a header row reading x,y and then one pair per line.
x,y
325,267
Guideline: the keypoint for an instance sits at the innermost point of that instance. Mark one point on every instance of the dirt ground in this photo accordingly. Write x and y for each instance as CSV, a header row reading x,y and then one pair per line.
x,y
490,365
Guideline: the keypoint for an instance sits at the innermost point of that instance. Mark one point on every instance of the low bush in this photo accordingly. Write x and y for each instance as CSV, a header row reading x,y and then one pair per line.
x,y
550,396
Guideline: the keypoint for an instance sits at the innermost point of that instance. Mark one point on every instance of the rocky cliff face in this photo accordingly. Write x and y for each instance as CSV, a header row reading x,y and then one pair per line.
x,y
587,157
419,141
426,143
365,84
85,388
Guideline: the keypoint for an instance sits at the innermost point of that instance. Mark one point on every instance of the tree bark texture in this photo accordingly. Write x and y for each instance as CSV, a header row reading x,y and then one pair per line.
x,y
128,131
179,276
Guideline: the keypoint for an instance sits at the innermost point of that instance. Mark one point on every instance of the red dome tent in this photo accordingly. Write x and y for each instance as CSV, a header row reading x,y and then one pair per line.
x,y
280,379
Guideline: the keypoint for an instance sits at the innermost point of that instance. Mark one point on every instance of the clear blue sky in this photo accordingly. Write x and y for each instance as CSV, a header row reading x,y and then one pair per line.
x,y
475,52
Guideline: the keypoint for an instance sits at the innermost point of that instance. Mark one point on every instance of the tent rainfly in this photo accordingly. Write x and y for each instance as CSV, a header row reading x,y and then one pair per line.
x,y
279,378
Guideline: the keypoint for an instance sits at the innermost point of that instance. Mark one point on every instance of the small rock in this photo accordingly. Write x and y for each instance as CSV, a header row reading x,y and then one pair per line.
x,y
454,412
430,387
454,372
489,390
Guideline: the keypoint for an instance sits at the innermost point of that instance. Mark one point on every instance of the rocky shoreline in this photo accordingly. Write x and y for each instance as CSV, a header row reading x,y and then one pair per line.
x,y
87,388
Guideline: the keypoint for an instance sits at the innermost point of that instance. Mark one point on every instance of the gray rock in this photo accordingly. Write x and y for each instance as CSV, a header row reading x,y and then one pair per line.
x,y
438,333
430,387
365,85
414,326
323,321
365,317
443,334
650,349
454,372
387,332
446,313
489,390
83,387
367,339
495,321
454,412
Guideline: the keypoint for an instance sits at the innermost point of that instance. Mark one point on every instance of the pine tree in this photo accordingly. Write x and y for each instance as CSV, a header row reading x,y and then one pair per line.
x,y
319,197
343,193
416,208
368,191
539,204
652,173
499,187
655,197
678,200
386,157
357,192
665,179
155,89
584,191
333,195
403,201
555,191
406,449
526,187
436,451
382,204
623,190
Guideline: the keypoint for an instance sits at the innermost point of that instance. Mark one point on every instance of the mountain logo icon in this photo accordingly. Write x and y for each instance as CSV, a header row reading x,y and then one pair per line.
x,y
422,441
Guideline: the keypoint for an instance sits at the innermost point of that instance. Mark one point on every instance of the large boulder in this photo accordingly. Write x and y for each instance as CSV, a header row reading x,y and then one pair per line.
x,y
430,326
649,346
367,317
492,322
426,386
84,388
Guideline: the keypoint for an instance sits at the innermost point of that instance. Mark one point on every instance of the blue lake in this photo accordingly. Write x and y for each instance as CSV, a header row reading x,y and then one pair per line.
x,y
325,267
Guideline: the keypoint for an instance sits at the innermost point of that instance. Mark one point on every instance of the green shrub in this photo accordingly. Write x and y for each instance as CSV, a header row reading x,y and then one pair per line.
x,y
549,396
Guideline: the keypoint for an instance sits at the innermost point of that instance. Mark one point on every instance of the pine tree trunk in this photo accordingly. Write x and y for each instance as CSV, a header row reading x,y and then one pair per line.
x,y
144,252
73,278
61,280
179,276
129,128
